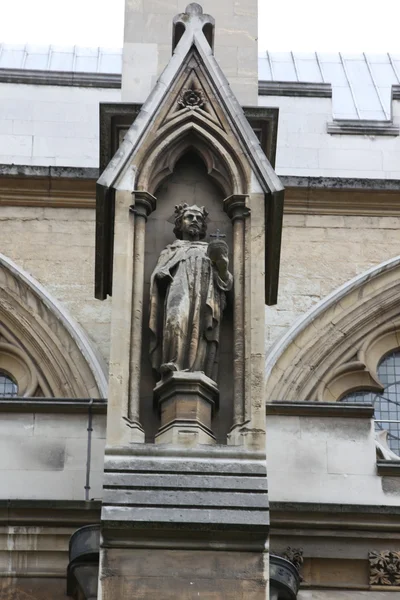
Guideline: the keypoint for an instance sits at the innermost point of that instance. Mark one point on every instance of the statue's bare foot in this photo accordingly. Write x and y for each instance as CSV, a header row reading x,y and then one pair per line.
x,y
168,368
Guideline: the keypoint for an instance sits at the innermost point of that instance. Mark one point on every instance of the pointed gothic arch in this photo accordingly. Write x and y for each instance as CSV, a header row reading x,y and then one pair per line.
x,y
335,348
222,161
40,346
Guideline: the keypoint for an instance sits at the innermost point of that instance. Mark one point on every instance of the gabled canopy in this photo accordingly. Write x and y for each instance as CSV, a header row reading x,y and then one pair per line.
x,y
192,100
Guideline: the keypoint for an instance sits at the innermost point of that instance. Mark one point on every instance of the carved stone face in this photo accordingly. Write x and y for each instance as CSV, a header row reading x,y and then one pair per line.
x,y
192,225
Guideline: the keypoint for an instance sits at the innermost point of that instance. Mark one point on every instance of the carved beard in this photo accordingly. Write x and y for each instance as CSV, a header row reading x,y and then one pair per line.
x,y
194,231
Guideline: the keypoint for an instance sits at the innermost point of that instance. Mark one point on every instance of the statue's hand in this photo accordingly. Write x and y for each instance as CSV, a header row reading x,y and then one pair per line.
x,y
162,275
222,265
218,254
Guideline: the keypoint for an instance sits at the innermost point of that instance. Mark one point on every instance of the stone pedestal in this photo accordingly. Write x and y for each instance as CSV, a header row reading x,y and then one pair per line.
x,y
184,523
186,402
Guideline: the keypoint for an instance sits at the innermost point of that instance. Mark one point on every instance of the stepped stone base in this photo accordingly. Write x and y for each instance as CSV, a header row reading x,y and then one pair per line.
x,y
184,525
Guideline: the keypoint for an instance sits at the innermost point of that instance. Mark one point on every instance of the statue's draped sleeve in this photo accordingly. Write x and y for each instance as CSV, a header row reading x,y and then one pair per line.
x,y
168,259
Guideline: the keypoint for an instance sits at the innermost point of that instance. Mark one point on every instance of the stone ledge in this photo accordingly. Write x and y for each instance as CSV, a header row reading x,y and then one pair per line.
x,y
198,490
316,513
362,127
295,88
64,78
341,183
388,468
51,171
321,409
53,405
49,512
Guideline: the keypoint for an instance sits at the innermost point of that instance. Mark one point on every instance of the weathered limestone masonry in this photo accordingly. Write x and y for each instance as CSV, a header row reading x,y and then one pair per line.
x,y
321,252
147,44
184,516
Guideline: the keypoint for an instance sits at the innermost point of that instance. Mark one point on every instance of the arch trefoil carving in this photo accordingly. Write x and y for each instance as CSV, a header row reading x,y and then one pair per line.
x,y
336,347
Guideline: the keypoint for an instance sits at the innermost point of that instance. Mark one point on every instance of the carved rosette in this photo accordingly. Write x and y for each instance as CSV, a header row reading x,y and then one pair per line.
x,y
384,568
191,98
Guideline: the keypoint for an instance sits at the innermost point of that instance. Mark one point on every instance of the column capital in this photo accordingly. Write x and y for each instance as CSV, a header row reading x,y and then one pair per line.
x,y
145,203
235,206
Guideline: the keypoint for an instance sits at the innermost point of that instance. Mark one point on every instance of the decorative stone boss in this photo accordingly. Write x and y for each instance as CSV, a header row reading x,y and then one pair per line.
x,y
187,297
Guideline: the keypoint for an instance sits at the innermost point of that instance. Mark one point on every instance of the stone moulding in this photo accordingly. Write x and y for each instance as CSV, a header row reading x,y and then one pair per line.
x,y
63,78
295,88
362,127
42,187
53,405
321,409
62,361
215,492
341,196
336,347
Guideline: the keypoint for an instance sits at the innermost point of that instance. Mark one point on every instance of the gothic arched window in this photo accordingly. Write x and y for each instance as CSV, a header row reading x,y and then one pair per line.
x,y
387,403
8,387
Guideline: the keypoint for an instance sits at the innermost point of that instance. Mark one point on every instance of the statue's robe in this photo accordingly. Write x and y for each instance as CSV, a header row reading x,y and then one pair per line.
x,y
187,298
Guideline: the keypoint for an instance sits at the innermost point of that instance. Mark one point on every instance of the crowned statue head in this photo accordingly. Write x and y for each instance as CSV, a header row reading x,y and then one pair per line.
x,y
190,222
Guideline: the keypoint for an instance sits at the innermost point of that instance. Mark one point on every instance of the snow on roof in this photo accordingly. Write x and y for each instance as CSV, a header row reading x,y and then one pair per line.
x,y
361,83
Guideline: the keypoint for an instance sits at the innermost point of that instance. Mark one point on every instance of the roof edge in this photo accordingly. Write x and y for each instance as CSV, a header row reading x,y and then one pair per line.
x,y
61,78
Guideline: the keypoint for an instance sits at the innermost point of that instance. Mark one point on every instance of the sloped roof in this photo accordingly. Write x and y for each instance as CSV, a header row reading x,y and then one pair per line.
x,y
361,83
61,58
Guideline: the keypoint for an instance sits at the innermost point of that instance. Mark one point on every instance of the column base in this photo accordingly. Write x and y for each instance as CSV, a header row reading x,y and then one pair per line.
x,y
134,432
186,402
246,436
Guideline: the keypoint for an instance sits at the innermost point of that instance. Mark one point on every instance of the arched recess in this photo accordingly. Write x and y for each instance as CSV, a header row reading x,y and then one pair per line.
x,y
193,133
40,346
336,347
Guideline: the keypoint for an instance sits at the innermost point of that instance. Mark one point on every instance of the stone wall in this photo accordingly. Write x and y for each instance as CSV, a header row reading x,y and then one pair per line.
x,y
322,252
56,247
43,455
305,147
51,125
325,459
148,48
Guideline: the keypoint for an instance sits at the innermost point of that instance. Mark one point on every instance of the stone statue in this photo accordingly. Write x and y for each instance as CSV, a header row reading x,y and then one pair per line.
x,y
187,297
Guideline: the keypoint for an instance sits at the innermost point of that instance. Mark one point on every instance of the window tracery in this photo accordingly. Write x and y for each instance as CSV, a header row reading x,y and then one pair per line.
x,y
8,387
387,402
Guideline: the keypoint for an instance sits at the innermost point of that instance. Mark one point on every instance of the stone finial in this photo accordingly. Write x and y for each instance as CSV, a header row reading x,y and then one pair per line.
x,y
194,9
195,21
